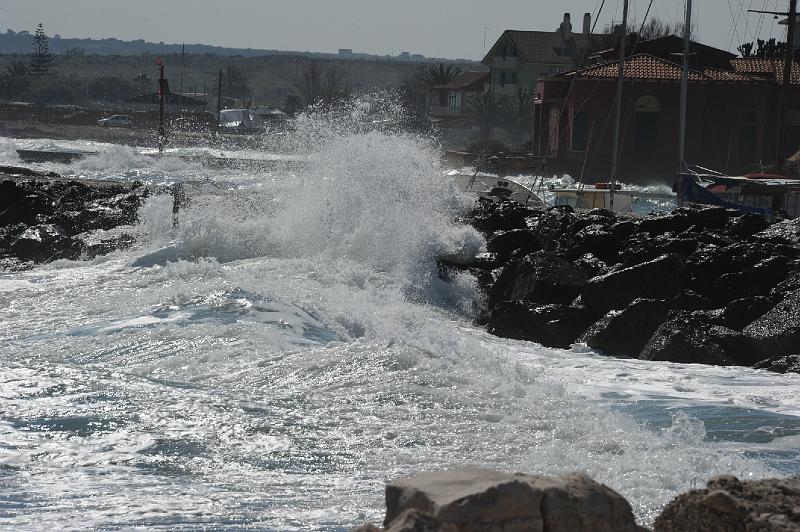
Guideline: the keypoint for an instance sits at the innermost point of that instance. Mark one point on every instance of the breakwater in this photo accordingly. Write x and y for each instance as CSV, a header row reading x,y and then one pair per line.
x,y
697,285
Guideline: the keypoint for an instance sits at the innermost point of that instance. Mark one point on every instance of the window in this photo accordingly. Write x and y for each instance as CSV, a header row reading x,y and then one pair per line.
x,y
513,77
502,77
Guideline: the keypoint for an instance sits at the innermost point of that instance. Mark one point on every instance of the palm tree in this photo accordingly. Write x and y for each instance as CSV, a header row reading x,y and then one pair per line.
x,y
519,114
438,75
487,111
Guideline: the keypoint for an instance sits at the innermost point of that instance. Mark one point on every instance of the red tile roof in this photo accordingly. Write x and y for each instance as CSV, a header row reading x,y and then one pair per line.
x,y
651,68
763,66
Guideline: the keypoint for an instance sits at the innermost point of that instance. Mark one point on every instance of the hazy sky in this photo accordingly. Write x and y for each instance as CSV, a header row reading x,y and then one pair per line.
x,y
435,28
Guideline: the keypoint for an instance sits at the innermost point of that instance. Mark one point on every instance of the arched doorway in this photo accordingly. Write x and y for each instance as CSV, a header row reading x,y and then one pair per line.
x,y
645,111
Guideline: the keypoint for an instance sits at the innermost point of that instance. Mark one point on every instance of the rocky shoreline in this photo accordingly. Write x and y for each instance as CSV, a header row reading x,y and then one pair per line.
x,y
697,285
478,500
44,217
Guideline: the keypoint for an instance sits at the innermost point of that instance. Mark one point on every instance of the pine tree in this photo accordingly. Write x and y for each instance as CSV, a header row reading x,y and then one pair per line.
x,y
41,60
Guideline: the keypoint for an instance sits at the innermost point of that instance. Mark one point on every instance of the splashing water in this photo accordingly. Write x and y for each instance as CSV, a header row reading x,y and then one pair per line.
x,y
289,348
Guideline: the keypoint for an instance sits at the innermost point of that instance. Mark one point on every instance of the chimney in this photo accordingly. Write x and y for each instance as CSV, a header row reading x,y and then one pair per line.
x,y
566,27
587,23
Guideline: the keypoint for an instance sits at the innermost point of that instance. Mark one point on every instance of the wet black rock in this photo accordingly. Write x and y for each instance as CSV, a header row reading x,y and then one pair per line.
x,y
755,281
696,285
44,243
661,278
778,330
673,223
782,364
740,312
745,225
549,325
48,219
698,337
504,243
785,232
626,332
595,239
541,277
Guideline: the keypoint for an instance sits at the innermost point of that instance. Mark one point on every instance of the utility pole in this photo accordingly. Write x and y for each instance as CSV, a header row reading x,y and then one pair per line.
x,y
180,85
623,41
783,103
684,100
219,96
162,95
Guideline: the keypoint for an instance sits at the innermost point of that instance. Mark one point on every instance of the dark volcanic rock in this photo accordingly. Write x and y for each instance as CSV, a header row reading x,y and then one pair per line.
x,y
43,220
778,330
540,277
504,243
627,331
785,232
740,312
595,239
657,225
41,243
730,505
658,279
708,217
550,325
784,364
697,337
746,225
591,265
755,281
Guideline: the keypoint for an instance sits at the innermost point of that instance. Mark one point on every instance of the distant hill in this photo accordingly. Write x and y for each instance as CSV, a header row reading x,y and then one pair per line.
x,y
12,42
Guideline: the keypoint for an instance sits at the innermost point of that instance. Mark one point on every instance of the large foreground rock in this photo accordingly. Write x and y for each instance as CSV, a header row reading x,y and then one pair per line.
x,y
729,505
479,500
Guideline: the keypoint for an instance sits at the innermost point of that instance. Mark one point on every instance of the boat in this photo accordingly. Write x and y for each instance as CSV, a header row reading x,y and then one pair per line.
x,y
495,189
768,195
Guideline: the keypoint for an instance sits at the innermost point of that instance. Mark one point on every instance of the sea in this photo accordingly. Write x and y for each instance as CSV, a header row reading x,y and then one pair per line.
x,y
289,348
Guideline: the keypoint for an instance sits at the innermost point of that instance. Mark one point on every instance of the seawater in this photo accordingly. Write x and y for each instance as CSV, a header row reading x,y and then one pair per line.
x,y
289,348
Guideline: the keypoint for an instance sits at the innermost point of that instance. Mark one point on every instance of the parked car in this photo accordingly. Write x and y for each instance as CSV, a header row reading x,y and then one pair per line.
x,y
116,121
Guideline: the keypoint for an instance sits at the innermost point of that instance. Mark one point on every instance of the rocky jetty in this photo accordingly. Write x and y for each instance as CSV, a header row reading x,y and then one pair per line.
x,y
44,217
706,285
477,500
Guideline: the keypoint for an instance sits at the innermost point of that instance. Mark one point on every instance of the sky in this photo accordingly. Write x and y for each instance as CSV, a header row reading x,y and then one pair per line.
x,y
434,28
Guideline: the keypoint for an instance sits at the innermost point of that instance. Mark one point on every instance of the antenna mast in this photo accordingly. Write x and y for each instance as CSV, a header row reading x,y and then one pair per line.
x,y
684,100
618,105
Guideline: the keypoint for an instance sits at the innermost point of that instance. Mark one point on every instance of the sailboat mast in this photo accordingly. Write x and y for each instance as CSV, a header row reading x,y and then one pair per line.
x,y
783,108
687,25
618,102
